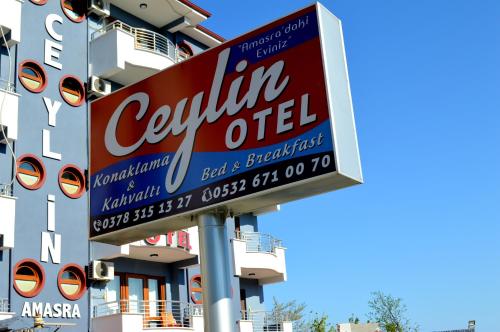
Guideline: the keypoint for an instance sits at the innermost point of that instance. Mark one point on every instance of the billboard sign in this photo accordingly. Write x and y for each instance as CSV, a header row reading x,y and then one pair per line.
x,y
260,120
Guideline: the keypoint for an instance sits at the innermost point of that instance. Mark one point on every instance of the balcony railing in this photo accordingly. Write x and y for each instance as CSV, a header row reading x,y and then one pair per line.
x,y
4,305
264,321
258,242
7,86
145,40
155,313
5,190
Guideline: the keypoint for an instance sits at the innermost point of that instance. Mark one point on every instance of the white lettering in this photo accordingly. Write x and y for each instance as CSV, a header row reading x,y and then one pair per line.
x,y
230,143
46,146
48,310
283,115
26,310
76,312
156,132
304,108
57,310
51,53
52,109
51,213
52,248
261,117
66,310
49,25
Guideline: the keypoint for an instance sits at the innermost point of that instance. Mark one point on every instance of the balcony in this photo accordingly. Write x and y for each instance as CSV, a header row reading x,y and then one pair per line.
x,y
259,256
126,55
151,316
257,321
167,248
8,220
10,21
9,105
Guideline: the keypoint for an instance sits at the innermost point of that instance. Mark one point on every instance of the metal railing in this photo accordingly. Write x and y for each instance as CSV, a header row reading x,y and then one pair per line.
x,y
6,189
264,321
4,305
258,242
7,86
154,313
146,40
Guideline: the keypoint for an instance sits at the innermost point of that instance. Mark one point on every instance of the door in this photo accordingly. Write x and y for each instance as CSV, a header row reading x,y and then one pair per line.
x,y
135,294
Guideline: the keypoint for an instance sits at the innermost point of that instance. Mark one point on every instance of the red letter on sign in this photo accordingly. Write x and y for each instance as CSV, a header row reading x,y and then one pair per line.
x,y
153,240
183,240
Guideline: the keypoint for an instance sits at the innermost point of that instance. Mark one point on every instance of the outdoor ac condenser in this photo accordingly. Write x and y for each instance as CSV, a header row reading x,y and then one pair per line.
x,y
100,270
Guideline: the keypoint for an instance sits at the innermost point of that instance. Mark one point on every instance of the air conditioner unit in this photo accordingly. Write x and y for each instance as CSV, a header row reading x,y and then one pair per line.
x,y
99,270
99,7
99,87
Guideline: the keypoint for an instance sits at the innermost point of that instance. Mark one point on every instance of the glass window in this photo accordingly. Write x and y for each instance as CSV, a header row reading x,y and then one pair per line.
x,y
71,281
32,76
135,294
184,52
72,181
196,289
74,9
28,278
30,172
154,297
72,90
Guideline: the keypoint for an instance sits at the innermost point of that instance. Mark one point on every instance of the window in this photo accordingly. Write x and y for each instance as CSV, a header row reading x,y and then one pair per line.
x,y
29,278
30,172
32,76
71,282
72,90
39,2
184,51
196,289
139,293
72,181
74,9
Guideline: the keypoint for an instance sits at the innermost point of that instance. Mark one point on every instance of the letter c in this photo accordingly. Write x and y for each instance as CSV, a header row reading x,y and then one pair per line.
x,y
110,135
49,25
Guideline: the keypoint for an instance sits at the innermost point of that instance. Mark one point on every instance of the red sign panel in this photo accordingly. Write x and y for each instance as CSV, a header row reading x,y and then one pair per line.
x,y
229,127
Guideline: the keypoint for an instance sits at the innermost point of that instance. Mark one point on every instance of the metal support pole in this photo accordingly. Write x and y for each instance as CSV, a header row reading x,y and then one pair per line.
x,y
215,271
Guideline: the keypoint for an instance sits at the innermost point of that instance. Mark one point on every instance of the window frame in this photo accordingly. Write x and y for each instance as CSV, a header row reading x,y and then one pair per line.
x,y
63,90
37,68
124,292
192,290
65,9
79,174
80,274
185,49
37,268
40,167
39,3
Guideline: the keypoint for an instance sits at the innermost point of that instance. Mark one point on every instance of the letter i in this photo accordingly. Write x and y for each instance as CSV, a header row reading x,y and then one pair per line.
x,y
51,213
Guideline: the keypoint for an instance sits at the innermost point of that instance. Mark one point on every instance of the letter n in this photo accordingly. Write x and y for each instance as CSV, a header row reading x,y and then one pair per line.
x,y
51,247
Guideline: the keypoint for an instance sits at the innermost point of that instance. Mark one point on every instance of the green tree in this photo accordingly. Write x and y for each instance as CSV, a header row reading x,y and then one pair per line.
x,y
353,319
320,324
291,311
390,313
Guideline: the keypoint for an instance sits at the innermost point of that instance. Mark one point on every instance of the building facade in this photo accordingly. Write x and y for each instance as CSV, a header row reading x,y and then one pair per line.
x,y
56,56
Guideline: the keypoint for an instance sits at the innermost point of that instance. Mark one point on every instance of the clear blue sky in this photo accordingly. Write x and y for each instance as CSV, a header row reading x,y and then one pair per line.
x,y
425,226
